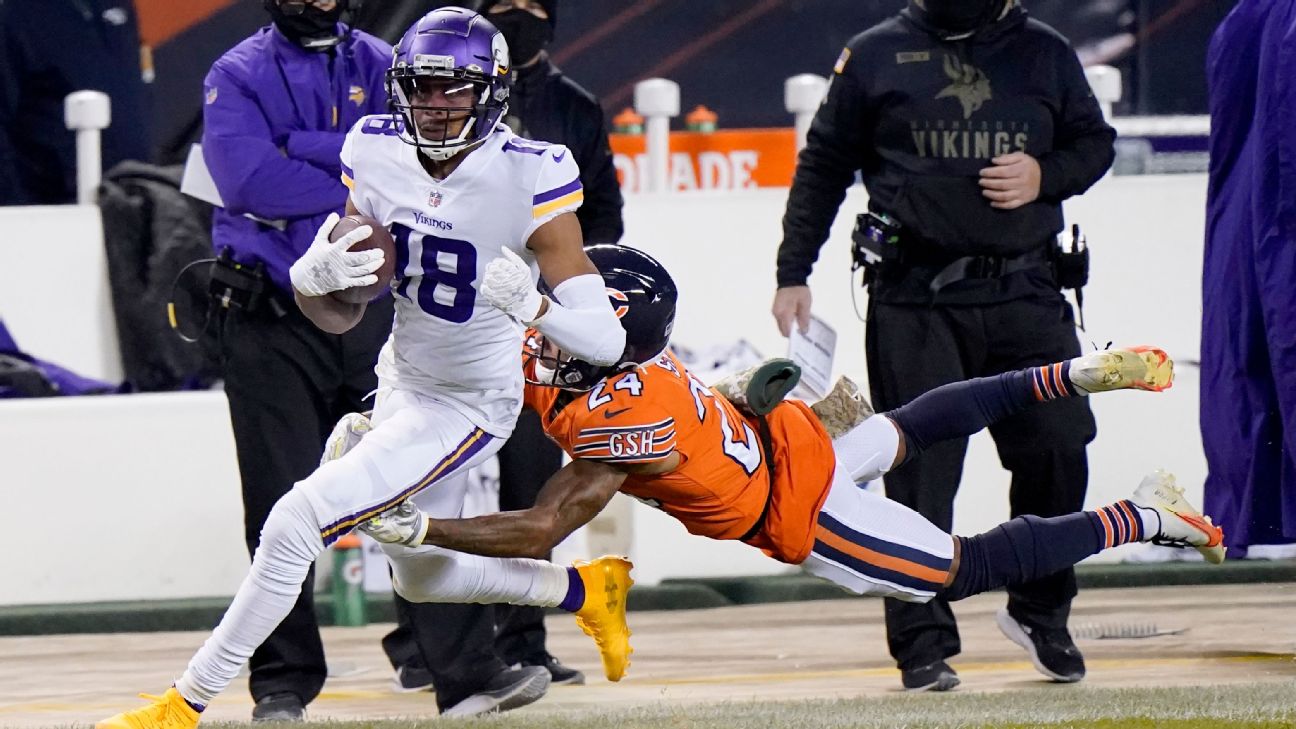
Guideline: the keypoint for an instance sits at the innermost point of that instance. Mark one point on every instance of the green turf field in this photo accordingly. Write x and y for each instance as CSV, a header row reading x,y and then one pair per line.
x,y
1262,706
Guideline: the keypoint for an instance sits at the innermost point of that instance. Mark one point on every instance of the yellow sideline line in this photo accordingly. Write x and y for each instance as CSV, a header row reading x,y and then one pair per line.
x,y
50,707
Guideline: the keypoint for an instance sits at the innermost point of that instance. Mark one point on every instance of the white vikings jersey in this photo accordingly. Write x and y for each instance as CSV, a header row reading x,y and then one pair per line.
x,y
447,341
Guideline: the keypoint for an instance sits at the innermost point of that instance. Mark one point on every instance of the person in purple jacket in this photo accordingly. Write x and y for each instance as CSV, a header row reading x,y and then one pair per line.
x,y
277,107
1248,325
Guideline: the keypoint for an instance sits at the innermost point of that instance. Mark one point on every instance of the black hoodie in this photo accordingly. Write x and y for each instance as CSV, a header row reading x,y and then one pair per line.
x,y
544,104
919,113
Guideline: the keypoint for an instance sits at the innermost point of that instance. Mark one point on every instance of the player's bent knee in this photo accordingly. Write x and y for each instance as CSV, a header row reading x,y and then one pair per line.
x,y
293,525
869,449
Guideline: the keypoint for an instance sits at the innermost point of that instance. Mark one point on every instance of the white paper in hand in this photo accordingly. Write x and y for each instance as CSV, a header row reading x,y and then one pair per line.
x,y
814,351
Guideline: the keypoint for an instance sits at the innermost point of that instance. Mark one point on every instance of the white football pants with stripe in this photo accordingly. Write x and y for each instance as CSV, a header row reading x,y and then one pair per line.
x,y
420,448
866,543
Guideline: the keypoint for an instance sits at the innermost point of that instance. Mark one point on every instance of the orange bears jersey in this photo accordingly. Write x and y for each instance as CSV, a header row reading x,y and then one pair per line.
x,y
722,484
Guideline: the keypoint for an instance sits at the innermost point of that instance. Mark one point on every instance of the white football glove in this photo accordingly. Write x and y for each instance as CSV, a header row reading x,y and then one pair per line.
x,y
507,285
326,267
402,524
345,436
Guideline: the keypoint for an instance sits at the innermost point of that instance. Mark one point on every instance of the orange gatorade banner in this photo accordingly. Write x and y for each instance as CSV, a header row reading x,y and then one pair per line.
x,y
731,159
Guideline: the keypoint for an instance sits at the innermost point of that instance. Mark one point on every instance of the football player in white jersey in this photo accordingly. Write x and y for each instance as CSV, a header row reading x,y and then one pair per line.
x,y
470,206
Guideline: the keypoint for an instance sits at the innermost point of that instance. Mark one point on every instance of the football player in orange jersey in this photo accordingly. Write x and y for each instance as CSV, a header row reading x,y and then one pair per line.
x,y
780,482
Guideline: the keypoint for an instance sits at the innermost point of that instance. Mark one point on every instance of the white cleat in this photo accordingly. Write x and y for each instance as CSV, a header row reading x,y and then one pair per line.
x,y
1182,525
1138,368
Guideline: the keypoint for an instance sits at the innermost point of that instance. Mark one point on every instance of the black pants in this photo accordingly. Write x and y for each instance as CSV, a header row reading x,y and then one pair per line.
x,y
288,383
464,646
914,348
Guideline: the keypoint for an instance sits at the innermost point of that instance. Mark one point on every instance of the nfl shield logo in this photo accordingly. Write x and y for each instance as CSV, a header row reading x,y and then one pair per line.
x,y
434,198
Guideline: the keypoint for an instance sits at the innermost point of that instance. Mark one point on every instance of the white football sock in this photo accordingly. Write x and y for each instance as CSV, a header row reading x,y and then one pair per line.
x,y
290,541
432,574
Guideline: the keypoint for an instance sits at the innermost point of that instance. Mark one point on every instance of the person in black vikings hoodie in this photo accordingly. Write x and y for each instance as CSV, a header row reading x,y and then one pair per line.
x,y
969,123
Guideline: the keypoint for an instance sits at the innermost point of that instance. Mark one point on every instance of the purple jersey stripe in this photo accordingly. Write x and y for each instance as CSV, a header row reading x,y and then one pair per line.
x,y
557,192
347,171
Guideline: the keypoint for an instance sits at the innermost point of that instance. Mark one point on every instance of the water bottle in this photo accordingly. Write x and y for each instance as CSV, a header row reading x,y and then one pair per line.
x,y
348,582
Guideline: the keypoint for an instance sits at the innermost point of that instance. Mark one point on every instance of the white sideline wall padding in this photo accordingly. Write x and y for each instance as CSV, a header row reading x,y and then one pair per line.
x,y
146,486
54,295
1145,234
120,497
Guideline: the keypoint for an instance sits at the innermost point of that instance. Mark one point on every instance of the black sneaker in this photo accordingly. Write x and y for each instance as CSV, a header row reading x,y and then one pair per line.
x,y
1051,649
279,707
559,674
409,679
509,689
936,676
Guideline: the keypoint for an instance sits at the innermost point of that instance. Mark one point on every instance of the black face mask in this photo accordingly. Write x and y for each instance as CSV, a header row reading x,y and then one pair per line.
x,y
525,34
312,29
961,16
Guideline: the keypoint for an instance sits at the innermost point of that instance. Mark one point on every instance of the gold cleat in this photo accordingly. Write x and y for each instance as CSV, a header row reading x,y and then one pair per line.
x,y
603,615
168,711
1137,368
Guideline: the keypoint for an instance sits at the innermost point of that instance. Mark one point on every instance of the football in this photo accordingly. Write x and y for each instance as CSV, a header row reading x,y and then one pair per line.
x,y
379,238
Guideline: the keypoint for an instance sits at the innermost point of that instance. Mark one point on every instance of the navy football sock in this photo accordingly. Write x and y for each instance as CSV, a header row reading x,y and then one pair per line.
x,y
960,409
1030,547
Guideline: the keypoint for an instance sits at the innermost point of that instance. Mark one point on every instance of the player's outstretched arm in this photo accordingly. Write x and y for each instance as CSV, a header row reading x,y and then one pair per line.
x,y
568,500
581,320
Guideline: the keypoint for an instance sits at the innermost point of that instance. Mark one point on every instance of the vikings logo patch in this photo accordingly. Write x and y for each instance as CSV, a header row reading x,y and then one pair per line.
x,y
356,95
970,85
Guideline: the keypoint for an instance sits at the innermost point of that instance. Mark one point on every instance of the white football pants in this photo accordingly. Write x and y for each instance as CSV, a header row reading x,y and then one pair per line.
x,y
420,448
866,543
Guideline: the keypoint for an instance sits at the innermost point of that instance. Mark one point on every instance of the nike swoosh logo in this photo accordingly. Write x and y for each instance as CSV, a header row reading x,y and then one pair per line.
x,y
1214,534
609,414
558,156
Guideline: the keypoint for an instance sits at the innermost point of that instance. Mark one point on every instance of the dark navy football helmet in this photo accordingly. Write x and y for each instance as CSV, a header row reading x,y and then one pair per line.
x,y
461,49
642,294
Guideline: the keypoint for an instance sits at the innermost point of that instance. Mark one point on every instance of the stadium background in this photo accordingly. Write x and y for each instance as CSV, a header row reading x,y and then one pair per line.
x,y
165,461
731,55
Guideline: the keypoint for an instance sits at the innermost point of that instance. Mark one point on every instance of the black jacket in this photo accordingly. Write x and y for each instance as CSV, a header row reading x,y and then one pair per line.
x,y
49,49
919,116
151,232
547,106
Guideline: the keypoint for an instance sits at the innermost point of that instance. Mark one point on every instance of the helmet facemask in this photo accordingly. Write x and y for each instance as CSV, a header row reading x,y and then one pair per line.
x,y
431,126
642,295
449,82
555,368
